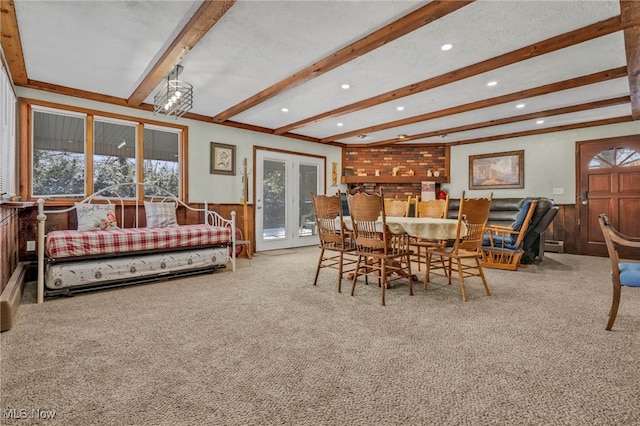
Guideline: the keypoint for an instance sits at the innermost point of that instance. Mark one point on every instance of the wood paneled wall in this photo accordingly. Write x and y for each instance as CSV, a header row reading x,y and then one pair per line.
x,y
8,243
565,228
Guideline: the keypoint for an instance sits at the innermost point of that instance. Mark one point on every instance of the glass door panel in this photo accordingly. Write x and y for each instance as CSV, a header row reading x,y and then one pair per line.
x,y
284,210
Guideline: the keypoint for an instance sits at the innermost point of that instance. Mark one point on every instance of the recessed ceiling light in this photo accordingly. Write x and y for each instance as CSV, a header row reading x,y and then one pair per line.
x,y
345,86
340,124
492,83
520,106
400,108
362,136
284,109
402,136
447,46
539,121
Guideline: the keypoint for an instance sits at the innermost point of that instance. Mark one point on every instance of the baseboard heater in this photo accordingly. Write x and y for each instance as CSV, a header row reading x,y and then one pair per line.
x,y
12,296
554,246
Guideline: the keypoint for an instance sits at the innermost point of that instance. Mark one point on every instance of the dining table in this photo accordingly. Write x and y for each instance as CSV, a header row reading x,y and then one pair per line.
x,y
428,228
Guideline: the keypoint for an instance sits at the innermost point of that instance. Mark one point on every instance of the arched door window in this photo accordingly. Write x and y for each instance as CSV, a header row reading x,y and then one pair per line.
x,y
615,157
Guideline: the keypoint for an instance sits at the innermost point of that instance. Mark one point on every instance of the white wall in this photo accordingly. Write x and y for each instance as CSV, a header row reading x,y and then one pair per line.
x,y
204,186
549,159
549,162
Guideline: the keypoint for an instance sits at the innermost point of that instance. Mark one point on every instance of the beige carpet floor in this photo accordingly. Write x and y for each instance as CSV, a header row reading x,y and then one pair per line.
x,y
263,346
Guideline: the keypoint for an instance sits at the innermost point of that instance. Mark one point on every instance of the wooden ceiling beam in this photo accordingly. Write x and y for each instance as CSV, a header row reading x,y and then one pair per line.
x,y
630,12
549,45
411,22
595,123
507,120
486,103
207,15
11,44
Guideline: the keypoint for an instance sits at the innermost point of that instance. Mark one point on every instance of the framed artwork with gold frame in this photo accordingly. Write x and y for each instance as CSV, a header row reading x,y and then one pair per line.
x,y
497,171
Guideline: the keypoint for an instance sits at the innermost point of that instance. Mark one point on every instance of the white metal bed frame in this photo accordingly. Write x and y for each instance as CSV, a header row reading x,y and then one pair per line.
x,y
111,194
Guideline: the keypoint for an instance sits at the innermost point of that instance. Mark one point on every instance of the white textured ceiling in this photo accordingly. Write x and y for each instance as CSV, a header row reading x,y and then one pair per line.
x,y
109,47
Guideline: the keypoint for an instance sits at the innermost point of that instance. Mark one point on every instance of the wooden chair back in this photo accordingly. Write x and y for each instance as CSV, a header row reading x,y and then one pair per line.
x,y
622,273
474,212
329,220
432,208
396,207
365,211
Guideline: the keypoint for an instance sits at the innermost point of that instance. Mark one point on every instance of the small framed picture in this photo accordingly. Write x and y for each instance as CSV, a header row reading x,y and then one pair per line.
x,y
223,159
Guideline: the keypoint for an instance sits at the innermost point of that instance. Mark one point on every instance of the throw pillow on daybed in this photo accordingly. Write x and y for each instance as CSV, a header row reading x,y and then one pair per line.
x,y
160,215
96,217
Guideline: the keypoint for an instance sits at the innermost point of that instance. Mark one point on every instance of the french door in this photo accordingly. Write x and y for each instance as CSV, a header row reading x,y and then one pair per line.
x,y
284,210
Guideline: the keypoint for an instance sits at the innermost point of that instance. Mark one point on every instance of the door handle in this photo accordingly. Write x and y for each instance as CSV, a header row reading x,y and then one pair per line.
x,y
585,198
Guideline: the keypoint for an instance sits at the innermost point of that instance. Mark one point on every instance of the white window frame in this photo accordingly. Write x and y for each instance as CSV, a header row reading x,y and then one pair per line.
x,y
8,141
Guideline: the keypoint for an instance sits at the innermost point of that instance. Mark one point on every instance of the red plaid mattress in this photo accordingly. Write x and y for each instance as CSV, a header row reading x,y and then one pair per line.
x,y
60,244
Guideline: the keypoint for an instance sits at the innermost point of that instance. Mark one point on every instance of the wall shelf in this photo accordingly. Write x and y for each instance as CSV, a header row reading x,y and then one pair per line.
x,y
394,179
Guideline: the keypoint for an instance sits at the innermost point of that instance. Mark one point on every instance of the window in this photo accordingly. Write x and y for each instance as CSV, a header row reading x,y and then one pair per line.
x,y
75,153
7,137
114,154
58,154
620,157
161,157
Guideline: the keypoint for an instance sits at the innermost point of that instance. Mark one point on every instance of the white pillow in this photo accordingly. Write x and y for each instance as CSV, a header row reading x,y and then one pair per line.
x,y
160,215
96,217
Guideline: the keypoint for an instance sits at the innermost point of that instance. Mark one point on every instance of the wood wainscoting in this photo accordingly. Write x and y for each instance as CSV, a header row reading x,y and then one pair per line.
x,y
564,228
11,271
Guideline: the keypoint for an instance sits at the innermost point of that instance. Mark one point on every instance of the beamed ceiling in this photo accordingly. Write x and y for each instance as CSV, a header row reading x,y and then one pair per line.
x,y
555,64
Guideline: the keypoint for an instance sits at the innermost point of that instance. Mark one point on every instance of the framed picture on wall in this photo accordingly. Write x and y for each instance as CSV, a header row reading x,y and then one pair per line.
x,y
223,159
497,171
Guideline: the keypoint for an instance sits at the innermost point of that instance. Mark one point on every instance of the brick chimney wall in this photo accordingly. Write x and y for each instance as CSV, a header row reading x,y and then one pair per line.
x,y
419,158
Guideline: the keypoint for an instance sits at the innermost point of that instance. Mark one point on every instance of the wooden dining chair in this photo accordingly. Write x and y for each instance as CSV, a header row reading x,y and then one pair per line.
x,y
337,247
397,207
428,208
433,208
623,274
380,252
466,250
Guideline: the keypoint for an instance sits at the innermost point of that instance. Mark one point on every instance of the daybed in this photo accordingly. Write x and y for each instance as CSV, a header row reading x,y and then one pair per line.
x,y
102,252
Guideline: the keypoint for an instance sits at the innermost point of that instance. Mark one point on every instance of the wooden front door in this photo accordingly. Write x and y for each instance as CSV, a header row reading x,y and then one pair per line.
x,y
609,182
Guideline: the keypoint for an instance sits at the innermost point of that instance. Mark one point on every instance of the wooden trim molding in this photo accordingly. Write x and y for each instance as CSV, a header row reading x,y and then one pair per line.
x,y
25,138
